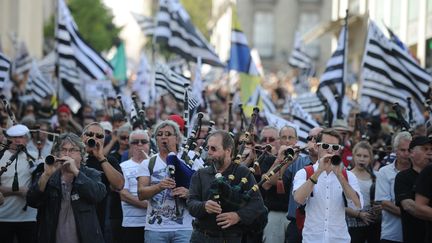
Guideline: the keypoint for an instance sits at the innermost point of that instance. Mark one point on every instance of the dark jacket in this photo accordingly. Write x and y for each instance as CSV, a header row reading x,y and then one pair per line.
x,y
90,190
201,190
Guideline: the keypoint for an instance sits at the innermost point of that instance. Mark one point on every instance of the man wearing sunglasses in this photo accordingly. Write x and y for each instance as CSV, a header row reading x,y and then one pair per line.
x,y
164,197
324,193
111,176
134,210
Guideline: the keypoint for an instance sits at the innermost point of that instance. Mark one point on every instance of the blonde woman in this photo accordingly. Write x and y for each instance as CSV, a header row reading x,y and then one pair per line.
x,y
364,225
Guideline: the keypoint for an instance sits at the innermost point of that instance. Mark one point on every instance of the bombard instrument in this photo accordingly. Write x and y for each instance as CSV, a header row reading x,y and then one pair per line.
x,y
396,107
191,140
171,171
8,110
121,107
51,159
140,112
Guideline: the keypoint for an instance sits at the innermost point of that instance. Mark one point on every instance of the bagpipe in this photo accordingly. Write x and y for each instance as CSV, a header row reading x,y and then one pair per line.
x,y
247,136
231,197
190,143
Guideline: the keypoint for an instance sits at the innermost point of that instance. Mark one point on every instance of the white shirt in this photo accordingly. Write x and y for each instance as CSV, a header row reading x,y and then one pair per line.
x,y
391,225
132,215
161,208
12,209
325,210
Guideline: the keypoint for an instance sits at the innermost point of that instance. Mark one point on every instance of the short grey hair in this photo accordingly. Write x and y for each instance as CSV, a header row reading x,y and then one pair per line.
x,y
68,138
90,125
399,137
124,128
269,127
138,132
169,123
288,127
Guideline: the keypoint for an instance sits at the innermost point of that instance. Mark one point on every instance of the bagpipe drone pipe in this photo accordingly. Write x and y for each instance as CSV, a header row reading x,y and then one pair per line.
x,y
182,173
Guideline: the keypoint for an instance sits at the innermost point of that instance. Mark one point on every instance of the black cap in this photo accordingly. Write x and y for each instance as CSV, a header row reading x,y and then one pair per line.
x,y
420,141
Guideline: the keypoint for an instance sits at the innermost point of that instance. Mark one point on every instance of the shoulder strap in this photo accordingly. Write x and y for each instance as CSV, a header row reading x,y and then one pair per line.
x,y
309,171
152,163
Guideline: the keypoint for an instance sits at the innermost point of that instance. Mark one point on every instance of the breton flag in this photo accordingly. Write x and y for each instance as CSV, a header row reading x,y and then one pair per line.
x,y
309,102
37,86
5,66
391,74
173,83
261,95
77,60
175,29
299,58
146,23
332,86
22,62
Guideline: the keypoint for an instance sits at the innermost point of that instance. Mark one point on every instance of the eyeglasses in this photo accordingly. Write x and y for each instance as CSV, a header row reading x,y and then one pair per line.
x,y
212,148
166,133
92,134
69,150
310,138
334,147
137,141
268,139
287,138
124,137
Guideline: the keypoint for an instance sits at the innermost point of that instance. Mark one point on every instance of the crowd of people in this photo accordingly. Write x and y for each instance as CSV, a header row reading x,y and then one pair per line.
x,y
98,176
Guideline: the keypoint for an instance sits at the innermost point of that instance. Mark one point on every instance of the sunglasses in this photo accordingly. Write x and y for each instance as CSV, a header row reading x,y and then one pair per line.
x,y
334,147
124,137
137,141
310,138
92,134
166,133
268,139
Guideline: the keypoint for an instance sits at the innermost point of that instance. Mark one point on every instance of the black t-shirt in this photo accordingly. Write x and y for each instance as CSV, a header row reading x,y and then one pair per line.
x,y
424,188
273,200
413,228
114,197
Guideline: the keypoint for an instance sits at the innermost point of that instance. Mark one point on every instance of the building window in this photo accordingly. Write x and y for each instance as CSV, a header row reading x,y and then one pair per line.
x,y
307,22
263,34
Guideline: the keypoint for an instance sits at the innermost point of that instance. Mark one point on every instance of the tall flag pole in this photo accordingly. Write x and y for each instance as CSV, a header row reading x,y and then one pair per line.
x,y
332,87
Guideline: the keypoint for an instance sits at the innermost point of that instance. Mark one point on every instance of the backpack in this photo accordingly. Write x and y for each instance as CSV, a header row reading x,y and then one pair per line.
x,y
300,211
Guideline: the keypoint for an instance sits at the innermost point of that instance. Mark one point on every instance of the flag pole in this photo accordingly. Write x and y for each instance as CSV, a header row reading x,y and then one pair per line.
x,y
344,71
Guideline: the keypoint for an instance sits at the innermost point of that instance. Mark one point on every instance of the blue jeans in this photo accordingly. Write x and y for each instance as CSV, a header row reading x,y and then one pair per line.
x,y
179,236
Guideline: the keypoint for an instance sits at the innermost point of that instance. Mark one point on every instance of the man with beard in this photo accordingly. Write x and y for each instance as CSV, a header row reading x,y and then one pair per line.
x,y
221,218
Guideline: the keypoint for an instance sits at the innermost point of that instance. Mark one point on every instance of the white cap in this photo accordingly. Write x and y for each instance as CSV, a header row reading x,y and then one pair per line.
x,y
17,131
106,125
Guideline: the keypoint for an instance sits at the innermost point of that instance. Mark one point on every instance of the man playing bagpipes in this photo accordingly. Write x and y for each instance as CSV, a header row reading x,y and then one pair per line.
x,y
223,208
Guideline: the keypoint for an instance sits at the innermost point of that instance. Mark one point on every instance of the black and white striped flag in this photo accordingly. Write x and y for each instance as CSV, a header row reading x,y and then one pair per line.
x,y
78,62
37,86
146,24
309,102
391,74
175,29
299,58
261,95
332,86
4,70
22,62
173,83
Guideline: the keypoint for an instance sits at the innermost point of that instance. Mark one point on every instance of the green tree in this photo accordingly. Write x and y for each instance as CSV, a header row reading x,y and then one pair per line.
x,y
94,22
200,13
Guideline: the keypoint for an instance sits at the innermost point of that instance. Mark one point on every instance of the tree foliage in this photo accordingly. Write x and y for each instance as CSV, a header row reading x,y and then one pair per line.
x,y
94,21
200,13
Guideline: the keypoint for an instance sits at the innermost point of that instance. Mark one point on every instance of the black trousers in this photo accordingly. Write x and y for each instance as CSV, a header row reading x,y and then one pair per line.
x,y
370,233
132,235
24,232
198,237
292,234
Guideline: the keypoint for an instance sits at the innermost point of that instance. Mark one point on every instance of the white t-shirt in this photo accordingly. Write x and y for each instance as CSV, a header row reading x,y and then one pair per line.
x,y
161,210
391,225
132,215
12,209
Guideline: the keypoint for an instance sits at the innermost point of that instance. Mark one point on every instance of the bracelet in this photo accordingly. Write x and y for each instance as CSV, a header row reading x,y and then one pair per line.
x,y
313,180
103,161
